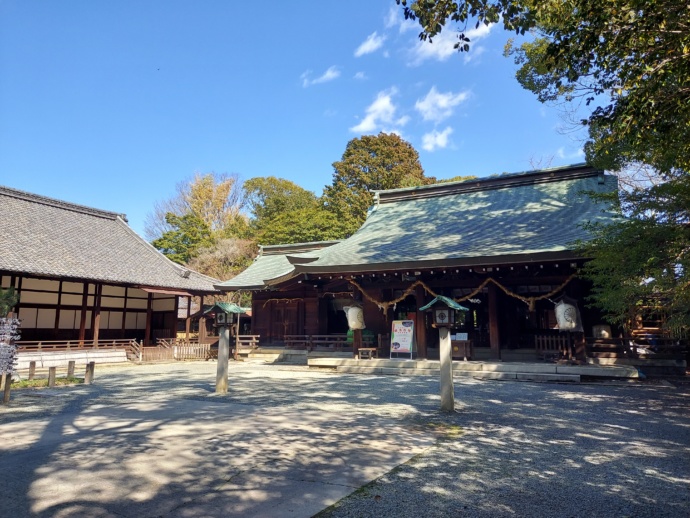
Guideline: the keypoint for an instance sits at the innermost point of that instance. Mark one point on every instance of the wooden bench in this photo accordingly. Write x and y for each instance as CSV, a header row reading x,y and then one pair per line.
x,y
367,353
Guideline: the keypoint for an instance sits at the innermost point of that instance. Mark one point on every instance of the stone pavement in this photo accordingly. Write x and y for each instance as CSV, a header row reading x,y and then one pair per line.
x,y
151,441
156,441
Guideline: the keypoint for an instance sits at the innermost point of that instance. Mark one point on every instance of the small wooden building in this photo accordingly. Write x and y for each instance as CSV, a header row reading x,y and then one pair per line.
x,y
83,274
502,246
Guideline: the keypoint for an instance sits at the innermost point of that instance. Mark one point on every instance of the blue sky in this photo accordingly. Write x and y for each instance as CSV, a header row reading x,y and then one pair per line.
x,y
111,104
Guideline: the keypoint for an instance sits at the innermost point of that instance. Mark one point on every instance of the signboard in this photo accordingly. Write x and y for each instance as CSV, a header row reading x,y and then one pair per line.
x,y
402,337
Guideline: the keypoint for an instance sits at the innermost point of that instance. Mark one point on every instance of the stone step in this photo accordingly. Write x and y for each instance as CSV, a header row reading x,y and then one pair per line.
x,y
523,376
502,370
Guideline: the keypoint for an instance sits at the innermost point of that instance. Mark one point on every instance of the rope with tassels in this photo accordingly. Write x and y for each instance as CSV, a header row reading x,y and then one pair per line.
x,y
530,301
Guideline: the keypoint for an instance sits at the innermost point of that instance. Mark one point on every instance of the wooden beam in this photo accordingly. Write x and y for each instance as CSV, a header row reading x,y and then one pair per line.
x,y
188,320
82,319
56,325
96,314
420,295
494,337
202,321
149,313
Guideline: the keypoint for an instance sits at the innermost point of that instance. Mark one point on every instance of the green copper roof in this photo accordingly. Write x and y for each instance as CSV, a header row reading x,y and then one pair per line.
x,y
227,307
522,217
273,263
448,302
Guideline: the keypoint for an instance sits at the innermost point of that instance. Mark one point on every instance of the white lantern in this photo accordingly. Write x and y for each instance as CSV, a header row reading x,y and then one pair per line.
x,y
567,317
355,317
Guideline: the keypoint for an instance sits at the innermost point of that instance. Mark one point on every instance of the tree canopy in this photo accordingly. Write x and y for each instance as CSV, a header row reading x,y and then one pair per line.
x,y
628,62
369,163
215,199
641,263
187,234
283,212
205,211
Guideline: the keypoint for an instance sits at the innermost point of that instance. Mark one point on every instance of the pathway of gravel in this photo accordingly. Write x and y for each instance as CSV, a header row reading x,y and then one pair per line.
x,y
511,449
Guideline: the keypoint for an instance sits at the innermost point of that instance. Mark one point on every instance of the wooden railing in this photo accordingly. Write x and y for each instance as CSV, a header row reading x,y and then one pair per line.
x,y
66,345
247,341
553,345
637,347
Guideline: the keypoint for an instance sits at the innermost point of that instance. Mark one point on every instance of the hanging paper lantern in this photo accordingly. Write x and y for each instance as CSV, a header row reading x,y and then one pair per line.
x,y
355,317
568,317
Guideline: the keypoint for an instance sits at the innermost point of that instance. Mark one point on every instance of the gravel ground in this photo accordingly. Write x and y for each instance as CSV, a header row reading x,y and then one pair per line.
x,y
511,449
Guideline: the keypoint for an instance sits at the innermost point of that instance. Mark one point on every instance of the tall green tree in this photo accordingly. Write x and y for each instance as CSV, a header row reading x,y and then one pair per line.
x,y
187,234
628,62
302,226
370,163
268,197
641,263
216,199
225,258
283,212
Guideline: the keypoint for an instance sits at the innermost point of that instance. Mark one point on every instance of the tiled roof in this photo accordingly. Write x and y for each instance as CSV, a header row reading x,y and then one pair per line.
x,y
46,237
519,217
271,264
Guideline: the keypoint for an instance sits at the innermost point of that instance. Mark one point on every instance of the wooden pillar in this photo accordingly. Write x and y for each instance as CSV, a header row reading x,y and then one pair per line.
x,y
202,321
89,372
356,342
6,389
420,333
96,314
494,338
188,320
82,320
123,329
237,337
56,325
446,371
173,324
149,313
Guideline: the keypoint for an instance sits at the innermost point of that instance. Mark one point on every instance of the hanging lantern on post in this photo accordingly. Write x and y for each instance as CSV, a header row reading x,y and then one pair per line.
x,y
355,317
568,316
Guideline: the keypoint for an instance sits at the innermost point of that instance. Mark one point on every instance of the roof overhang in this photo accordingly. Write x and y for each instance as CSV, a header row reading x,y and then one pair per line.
x,y
441,263
165,291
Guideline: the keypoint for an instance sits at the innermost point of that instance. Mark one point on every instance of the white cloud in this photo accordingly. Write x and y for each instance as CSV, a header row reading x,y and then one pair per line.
x,y
443,45
473,54
371,44
576,155
361,76
436,140
395,18
380,114
439,106
329,75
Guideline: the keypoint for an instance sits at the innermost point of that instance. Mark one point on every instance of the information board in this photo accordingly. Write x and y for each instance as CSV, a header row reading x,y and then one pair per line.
x,y
402,337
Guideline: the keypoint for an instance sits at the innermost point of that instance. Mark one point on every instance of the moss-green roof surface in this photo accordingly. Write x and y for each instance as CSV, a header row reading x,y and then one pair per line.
x,y
271,264
528,216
